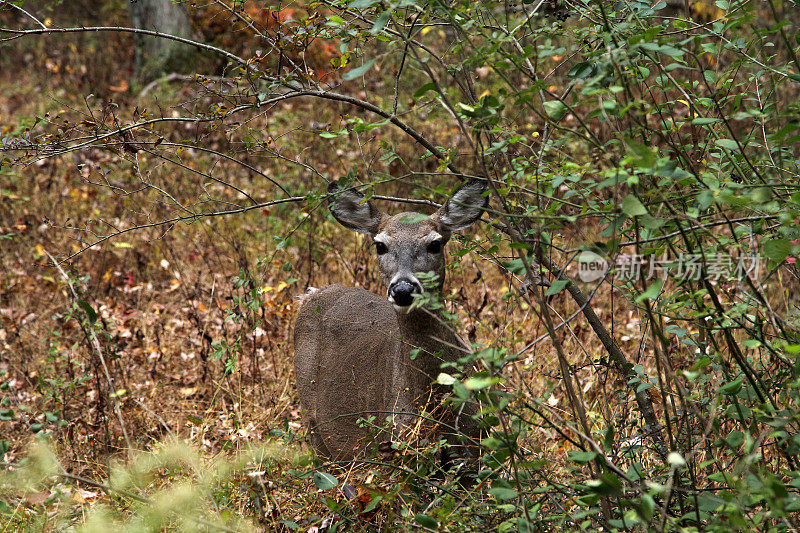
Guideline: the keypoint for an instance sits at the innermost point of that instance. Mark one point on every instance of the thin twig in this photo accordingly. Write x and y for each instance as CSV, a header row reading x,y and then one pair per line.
x,y
96,345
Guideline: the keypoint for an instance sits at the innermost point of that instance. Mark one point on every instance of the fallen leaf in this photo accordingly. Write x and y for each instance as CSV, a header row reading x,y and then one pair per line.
x,y
83,496
37,498
121,88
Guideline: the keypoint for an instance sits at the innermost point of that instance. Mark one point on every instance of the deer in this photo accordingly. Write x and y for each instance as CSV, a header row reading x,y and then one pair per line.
x,y
353,348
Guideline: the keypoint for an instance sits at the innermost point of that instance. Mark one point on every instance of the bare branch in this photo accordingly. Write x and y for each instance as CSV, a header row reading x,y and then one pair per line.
x,y
185,218
16,34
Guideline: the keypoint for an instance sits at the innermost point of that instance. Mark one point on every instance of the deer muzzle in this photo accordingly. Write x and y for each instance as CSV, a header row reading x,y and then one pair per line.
x,y
402,291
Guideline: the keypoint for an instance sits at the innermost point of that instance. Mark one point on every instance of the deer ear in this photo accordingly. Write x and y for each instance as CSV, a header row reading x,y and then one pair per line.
x,y
464,207
349,208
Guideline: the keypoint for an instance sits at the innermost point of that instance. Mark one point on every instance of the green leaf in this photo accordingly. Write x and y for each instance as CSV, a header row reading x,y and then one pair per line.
x,y
646,507
777,249
430,86
413,218
325,481
608,440
381,22
641,156
729,144
362,4
556,287
503,493
426,521
732,388
651,293
704,121
376,499
652,223
492,443
359,71
581,70
480,382
515,266
581,457
524,525
445,379
607,485
555,109
734,439
672,51
90,312
632,207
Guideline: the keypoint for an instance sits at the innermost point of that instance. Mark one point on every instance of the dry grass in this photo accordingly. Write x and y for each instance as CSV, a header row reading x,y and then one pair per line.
x,y
174,304
195,320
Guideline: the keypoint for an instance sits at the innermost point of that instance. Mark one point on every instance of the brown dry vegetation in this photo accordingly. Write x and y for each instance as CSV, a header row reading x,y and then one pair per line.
x,y
168,298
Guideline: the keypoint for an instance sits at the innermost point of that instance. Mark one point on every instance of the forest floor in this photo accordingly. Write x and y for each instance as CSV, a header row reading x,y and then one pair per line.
x,y
194,320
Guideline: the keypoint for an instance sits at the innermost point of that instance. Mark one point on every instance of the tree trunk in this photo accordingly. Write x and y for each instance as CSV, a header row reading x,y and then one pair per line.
x,y
157,55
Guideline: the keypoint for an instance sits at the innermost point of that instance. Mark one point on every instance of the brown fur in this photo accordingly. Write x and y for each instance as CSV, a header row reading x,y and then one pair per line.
x,y
352,348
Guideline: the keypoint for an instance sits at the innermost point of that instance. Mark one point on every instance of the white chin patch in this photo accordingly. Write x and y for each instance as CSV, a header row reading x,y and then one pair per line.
x,y
399,308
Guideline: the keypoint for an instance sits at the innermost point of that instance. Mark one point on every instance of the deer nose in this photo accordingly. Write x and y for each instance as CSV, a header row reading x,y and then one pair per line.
x,y
402,291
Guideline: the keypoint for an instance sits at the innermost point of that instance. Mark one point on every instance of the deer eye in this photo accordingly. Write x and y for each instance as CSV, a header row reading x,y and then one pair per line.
x,y
435,247
380,248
